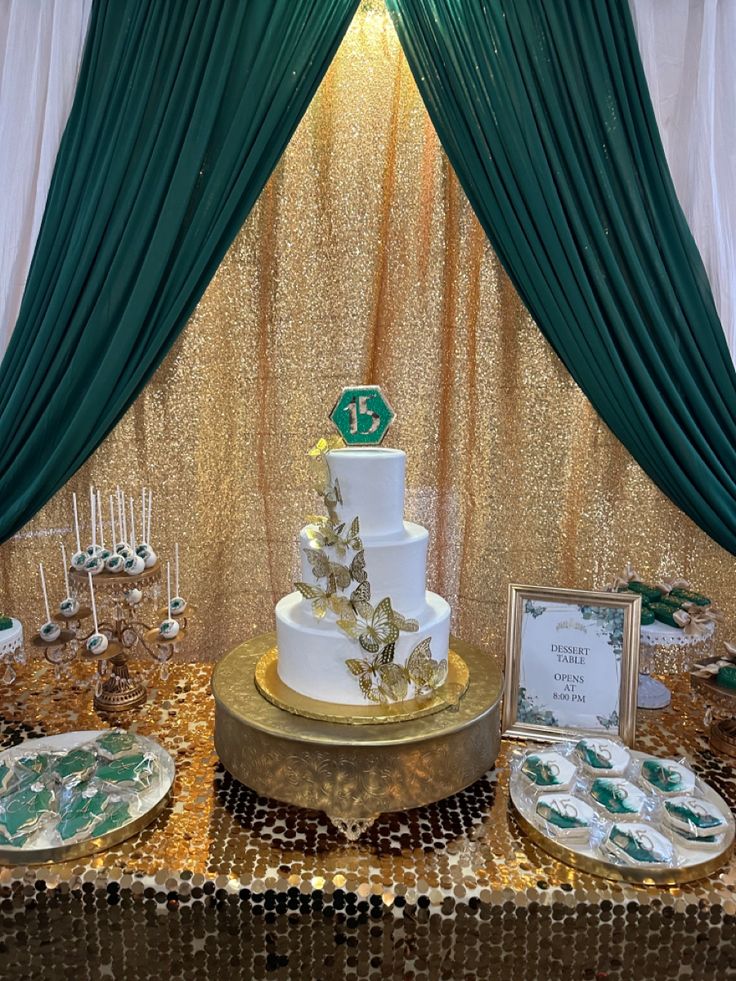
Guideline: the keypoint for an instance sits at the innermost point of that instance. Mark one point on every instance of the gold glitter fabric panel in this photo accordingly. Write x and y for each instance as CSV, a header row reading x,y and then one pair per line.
x,y
363,262
229,884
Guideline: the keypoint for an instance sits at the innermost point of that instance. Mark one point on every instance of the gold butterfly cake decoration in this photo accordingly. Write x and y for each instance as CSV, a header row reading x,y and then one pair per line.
x,y
325,534
380,679
322,568
426,674
324,599
373,627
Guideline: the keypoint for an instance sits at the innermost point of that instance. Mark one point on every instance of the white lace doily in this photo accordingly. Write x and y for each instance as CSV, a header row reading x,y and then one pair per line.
x,y
12,638
654,634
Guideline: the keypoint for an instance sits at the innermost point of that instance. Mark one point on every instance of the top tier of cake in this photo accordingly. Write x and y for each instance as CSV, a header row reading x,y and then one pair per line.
x,y
372,486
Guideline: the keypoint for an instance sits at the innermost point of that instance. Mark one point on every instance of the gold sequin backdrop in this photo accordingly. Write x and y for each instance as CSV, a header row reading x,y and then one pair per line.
x,y
363,262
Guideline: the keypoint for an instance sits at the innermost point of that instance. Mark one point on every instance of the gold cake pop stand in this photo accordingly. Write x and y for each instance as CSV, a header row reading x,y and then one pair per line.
x,y
353,773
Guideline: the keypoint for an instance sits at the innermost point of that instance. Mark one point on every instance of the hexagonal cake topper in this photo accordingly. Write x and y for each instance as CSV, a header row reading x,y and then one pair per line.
x,y
362,415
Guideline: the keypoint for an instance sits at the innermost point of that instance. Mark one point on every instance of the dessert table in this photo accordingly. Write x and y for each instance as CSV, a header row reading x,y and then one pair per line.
x,y
226,883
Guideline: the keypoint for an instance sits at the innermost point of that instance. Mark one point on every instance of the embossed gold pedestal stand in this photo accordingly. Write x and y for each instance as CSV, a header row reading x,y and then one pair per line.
x,y
354,772
721,712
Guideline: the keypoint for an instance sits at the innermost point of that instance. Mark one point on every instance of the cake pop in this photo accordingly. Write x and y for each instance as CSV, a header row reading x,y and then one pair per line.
x,y
134,564
79,557
49,630
69,606
169,628
96,642
133,596
178,604
115,564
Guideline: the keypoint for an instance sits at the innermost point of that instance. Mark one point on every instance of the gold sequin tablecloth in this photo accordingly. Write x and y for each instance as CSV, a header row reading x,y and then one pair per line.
x,y
227,884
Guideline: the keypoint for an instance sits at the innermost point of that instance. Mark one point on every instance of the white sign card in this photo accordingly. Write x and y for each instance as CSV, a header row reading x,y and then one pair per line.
x,y
571,663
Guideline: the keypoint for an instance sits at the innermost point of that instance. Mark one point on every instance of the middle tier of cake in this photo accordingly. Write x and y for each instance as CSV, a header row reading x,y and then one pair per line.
x,y
396,565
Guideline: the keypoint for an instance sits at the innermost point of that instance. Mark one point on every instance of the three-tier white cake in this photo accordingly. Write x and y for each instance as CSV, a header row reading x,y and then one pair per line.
x,y
362,626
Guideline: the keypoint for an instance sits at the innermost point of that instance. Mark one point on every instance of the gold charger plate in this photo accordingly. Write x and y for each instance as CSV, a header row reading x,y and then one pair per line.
x,y
273,688
159,797
579,855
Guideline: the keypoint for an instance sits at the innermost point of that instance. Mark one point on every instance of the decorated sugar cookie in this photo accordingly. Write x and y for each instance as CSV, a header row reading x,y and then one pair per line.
x,y
549,769
618,797
639,845
694,816
602,756
565,816
667,776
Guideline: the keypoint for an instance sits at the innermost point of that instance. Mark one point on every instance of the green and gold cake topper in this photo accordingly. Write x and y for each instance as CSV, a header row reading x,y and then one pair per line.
x,y
362,415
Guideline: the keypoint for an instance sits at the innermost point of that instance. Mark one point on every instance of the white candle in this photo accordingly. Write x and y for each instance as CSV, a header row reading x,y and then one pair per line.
x,y
94,515
132,525
168,583
76,522
94,605
112,524
66,571
99,518
45,594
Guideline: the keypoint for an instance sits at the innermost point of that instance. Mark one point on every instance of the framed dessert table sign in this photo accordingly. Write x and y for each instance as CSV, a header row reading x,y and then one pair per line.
x,y
571,663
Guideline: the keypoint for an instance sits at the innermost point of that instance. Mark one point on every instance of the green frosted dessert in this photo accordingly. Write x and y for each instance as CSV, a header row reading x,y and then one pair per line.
x,y
688,596
81,813
135,770
28,768
77,764
115,744
647,592
726,676
667,776
664,613
647,616
25,811
114,817
671,601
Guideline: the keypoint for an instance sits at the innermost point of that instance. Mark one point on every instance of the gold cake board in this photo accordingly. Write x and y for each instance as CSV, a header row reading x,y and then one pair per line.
x,y
353,773
272,687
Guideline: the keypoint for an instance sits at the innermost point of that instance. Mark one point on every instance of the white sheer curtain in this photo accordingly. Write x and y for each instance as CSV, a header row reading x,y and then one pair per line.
x,y
41,44
688,49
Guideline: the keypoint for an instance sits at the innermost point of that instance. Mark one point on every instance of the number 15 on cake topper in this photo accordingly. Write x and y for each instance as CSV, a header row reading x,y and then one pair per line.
x,y
362,415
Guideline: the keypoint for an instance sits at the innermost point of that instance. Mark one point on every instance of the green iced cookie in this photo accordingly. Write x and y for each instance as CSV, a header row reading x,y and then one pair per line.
x,y
563,821
115,817
77,763
116,743
16,842
135,770
81,814
25,810
617,796
28,768
666,776
688,596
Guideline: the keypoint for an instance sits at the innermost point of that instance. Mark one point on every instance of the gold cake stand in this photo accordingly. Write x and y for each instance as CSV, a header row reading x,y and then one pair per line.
x,y
353,773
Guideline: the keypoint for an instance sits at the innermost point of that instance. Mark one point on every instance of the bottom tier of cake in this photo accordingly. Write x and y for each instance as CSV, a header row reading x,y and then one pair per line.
x,y
313,653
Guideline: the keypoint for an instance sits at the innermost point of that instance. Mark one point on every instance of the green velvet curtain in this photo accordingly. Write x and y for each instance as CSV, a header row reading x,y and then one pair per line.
x,y
182,109
543,109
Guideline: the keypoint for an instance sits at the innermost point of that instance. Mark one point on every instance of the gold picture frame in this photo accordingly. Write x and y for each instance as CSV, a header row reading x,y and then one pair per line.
x,y
529,717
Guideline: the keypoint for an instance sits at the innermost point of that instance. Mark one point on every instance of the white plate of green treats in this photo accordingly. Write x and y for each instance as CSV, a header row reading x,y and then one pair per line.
x,y
621,814
70,795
